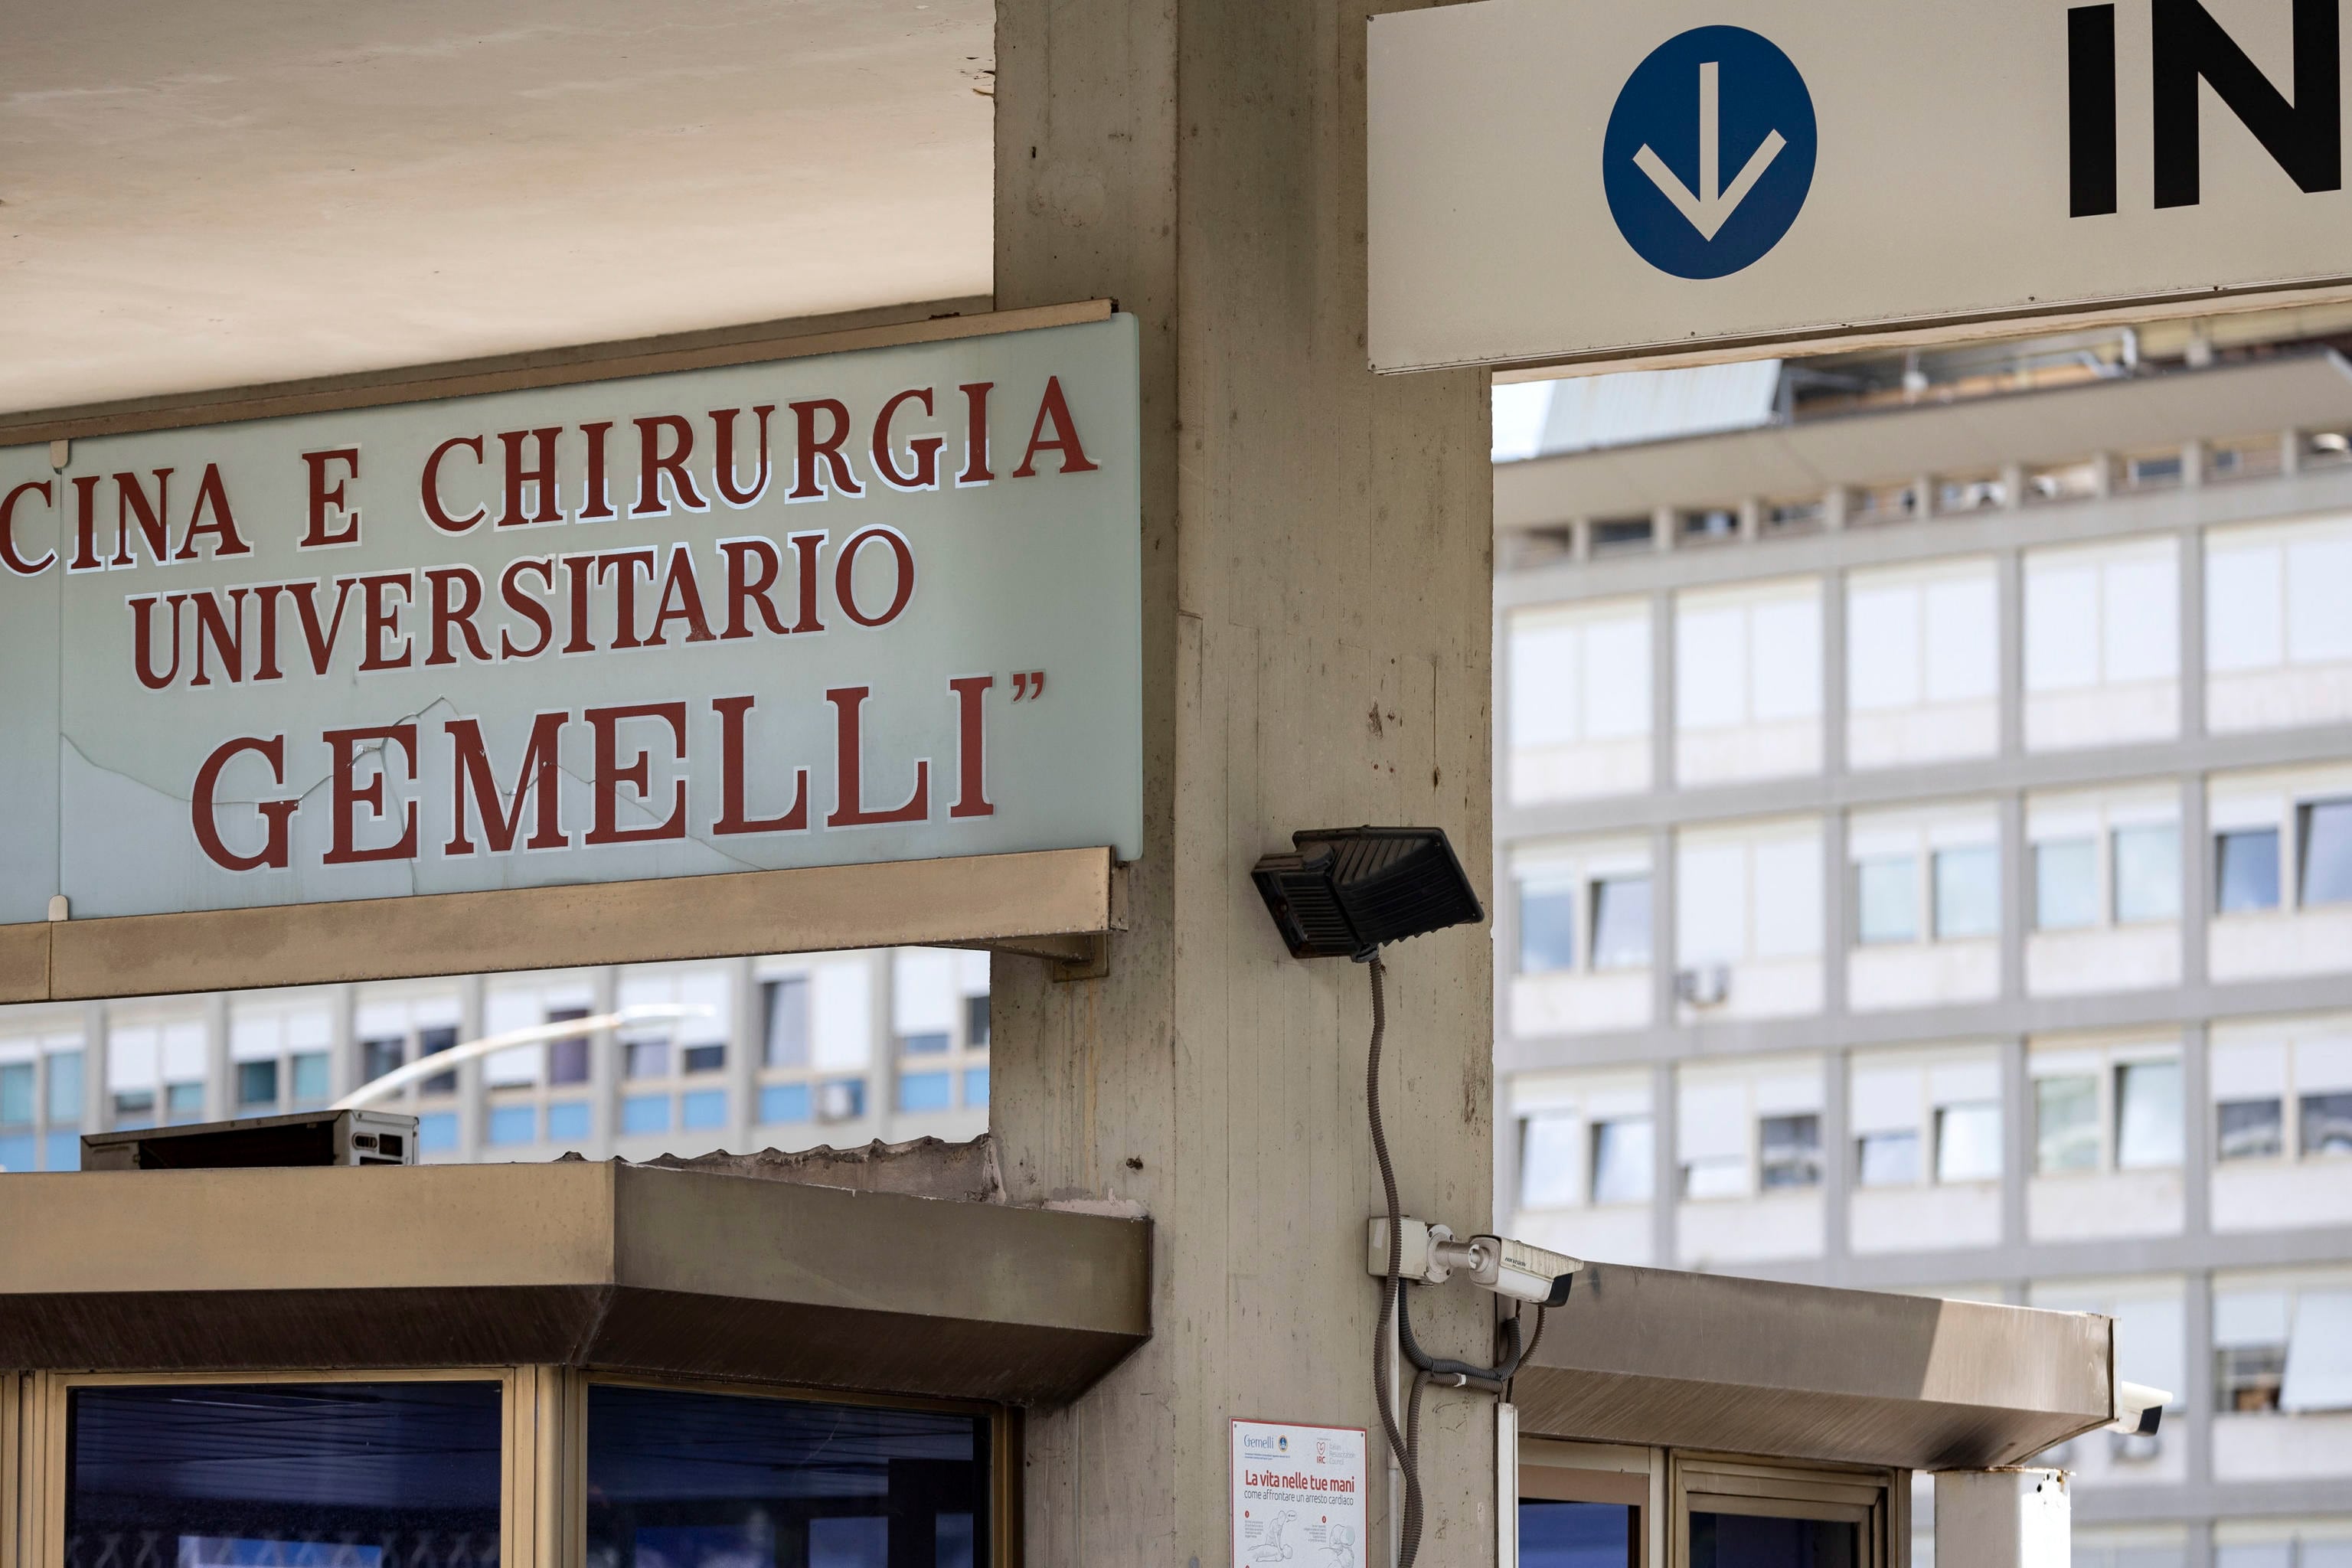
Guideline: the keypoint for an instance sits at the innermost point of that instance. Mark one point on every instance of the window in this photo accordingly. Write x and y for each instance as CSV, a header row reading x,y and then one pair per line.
x,y
1621,923
704,1058
567,1121
1574,1518
2067,1124
16,1096
2065,885
1731,1514
2148,1115
2282,1342
2250,1129
2102,644
2325,1125
378,1057
841,1100
436,1131
1577,680
975,1023
310,1078
697,1479
923,1045
919,1092
511,1124
183,1103
1747,681
975,1089
702,1110
2147,873
645,1059
1548,1152
356,1473
785,1012
1748,893
1887,899
782,1104
645,1113
1623,1160
64,1087
1968,892
2325,832
1888,1159
256,1085
1616,533
432,1042
1968,1143
1791,1151
2276,638
2247,870
1704,523
567,1058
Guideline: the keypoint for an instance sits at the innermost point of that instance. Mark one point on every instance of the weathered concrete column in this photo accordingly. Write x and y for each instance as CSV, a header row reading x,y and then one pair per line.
x,y
1317,598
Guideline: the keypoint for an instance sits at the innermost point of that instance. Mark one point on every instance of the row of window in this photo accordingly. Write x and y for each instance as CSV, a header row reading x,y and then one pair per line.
x,y
2281,1090
2107,859
2101,645
810,1029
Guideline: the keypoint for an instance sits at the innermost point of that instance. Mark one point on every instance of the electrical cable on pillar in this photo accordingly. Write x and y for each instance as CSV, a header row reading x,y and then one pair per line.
x,y
1345,892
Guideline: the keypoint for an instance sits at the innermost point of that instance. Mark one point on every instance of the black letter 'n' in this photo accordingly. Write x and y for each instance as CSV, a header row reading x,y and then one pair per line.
x,y
2306,137
2091,110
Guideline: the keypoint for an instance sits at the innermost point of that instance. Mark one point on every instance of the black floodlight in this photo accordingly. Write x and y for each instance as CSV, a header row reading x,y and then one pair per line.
x,y
1349,890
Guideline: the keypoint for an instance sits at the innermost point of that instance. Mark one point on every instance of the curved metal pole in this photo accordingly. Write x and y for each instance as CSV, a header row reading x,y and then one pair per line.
x,y
439,1062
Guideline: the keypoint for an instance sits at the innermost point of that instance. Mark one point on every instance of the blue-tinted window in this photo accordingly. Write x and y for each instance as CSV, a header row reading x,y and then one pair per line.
x,y
256,1083
924,1091
714,1480
330,1475
61,1151
1577,1535
567,1121
1547,927
436,1132
310,1078
1749,1540
2327,839
65,1089
513,1124
842,1099
2247,875
18,1151
16,1094
645,1113
784,1102
1621,923
975,1086
135,1108
703,1108
704,1058
922,1044
184,1102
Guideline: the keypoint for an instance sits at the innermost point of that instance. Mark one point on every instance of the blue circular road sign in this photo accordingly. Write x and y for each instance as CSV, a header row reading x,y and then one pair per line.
x,y
1709,151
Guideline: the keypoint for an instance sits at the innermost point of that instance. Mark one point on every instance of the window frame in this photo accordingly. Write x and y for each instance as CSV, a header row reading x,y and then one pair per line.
x,y
1876,1499
543,1445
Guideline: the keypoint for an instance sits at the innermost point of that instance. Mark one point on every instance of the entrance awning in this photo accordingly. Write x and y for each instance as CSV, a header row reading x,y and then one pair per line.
x,y
1651,1356
607,1267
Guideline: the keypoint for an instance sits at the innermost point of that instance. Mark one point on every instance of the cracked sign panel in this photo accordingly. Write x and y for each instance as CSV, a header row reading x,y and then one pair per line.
x,y
867,606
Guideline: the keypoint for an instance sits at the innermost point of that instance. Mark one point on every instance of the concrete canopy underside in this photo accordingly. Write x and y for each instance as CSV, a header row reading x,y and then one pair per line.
x,y
1703,1361
249,191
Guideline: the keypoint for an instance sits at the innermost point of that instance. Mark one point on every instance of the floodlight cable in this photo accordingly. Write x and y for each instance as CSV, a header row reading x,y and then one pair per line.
x,y
1404,1444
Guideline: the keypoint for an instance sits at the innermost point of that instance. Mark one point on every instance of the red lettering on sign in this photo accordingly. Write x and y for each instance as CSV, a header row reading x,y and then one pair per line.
x,y
274,813
349,794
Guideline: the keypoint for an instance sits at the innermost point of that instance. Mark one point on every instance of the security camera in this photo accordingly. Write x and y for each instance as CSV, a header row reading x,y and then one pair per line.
x,y
1509,1268
2138,1408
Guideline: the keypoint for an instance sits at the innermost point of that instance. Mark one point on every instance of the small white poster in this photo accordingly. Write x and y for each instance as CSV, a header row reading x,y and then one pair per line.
x,y
1299,1495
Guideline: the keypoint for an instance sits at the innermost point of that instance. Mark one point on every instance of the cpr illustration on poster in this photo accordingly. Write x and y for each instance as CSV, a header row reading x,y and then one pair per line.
x,y
1299,1495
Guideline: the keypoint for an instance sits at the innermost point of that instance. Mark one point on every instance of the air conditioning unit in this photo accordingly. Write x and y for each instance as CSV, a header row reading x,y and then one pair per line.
x,y
1703,987
836,1103
304,1138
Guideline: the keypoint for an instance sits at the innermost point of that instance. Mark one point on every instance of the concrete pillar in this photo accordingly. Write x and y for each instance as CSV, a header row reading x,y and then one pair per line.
x,y
1317,600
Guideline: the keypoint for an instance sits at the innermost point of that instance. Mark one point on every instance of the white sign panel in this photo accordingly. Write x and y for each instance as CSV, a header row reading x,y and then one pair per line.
x,y
869,606
1299,1495
1555,180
